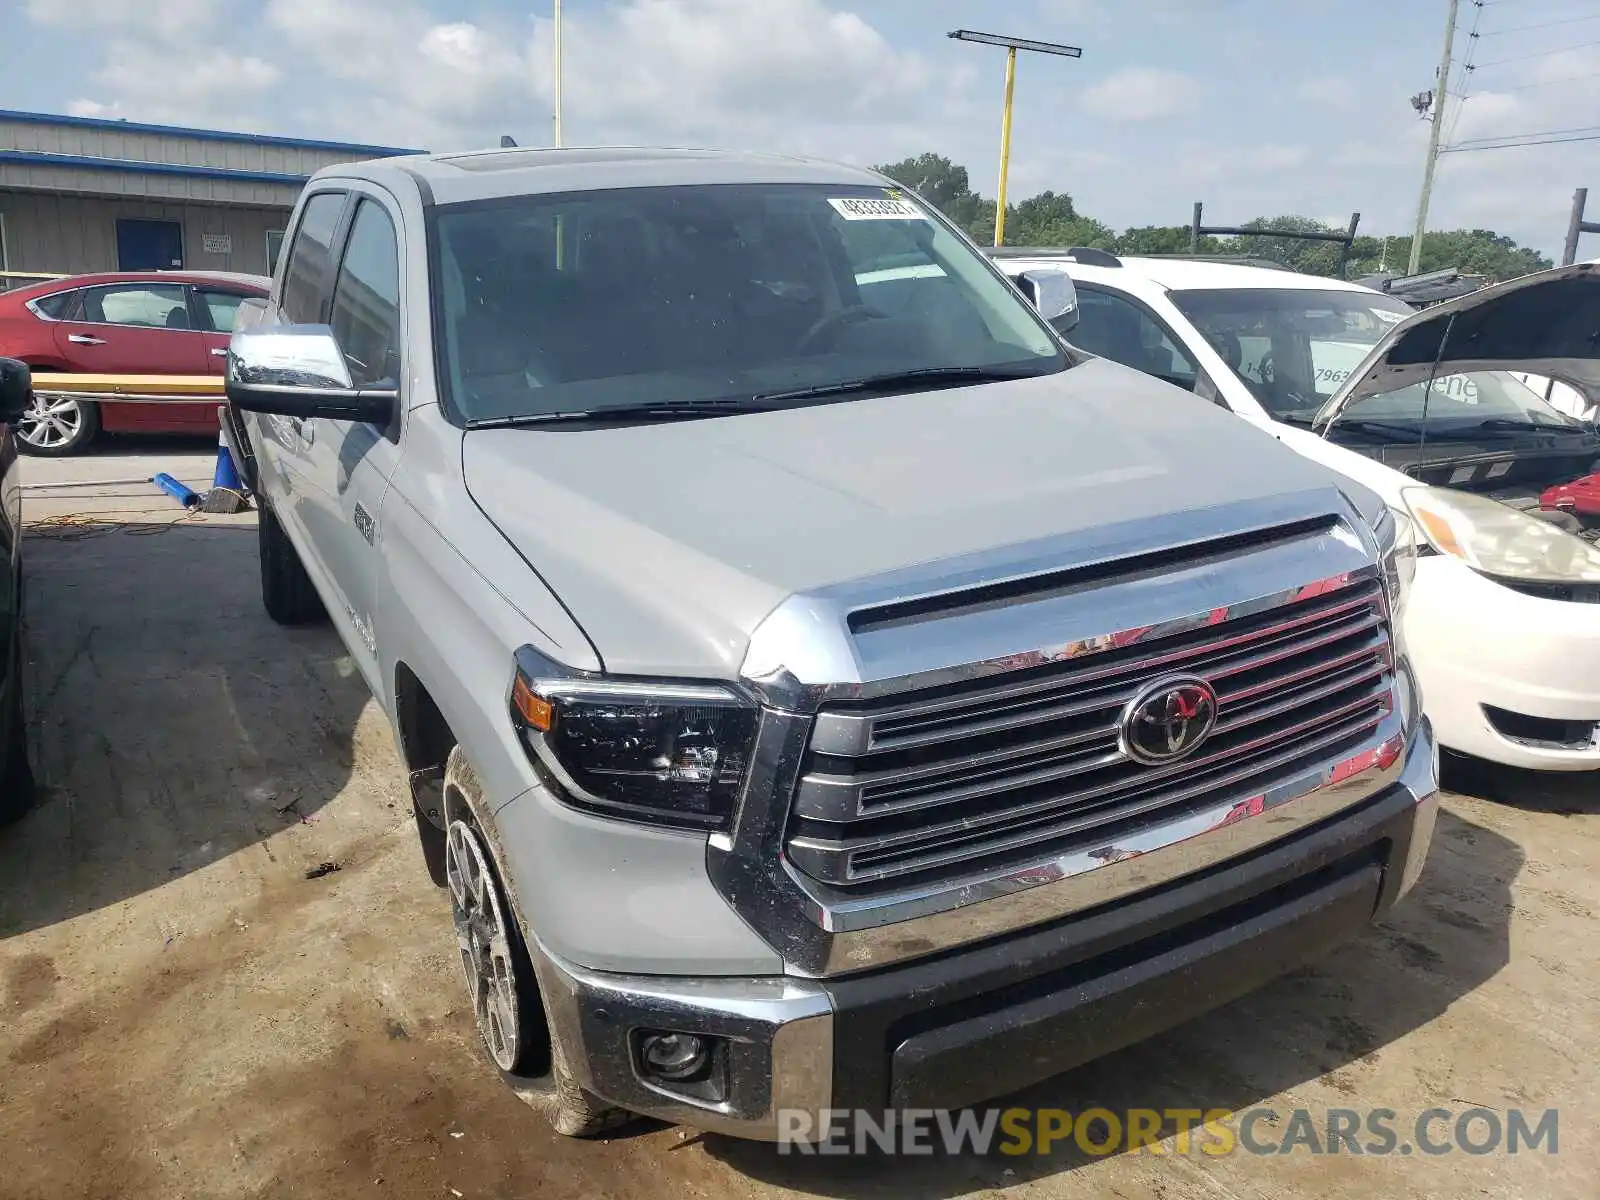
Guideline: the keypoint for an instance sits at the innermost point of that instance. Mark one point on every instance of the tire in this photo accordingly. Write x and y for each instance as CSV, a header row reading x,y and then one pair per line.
x,y
504,992
286,590
56,426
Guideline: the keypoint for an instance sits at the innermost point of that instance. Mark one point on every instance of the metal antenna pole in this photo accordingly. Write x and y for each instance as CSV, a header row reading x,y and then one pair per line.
x,y
1436,127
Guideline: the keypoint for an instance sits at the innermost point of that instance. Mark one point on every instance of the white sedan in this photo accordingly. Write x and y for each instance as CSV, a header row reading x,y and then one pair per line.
x,y
1429,410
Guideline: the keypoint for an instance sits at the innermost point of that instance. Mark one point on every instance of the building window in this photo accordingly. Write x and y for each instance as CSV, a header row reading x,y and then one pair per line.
x,y
274,248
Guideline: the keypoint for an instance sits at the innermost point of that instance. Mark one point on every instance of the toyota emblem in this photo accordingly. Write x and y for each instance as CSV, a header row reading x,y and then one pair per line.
x,y
1168,720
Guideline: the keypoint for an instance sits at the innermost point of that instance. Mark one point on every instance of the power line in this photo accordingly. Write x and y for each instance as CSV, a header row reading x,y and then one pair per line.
x,y
1541,25
1466,72
1591,137
1500,62
1525,87
1538,133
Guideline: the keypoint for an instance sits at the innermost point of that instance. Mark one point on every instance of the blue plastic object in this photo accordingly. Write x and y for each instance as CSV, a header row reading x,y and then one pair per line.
x,y
184,495
227,475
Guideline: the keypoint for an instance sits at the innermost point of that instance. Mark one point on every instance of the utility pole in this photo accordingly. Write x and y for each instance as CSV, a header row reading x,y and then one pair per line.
x,y
559,72
1436,127
1012,45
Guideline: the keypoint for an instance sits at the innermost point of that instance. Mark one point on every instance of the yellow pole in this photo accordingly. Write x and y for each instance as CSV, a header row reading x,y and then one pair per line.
x,y
558,73
1005,147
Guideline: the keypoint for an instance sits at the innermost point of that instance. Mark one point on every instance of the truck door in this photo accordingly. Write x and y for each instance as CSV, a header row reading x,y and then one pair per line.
x,y
302,298
350,463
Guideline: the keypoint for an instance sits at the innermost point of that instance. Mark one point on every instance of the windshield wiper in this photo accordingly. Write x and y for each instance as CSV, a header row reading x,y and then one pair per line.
x,y
1370,428
1520,425
669,410
893,381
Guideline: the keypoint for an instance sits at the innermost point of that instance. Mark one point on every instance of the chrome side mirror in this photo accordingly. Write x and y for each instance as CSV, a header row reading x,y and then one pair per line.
x,y
299,371
16,389
1053,294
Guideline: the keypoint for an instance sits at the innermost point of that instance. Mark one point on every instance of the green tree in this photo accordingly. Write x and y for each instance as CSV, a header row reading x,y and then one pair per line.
x,y
1472,251
1163,239
1311,258
946,186
1051,219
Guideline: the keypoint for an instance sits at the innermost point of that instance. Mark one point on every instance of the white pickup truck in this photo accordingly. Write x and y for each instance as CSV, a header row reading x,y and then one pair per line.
x,y
821,686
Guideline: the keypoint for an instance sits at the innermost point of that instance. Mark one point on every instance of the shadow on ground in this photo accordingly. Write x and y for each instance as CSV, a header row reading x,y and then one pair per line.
x,y
144,643
1449,936
1565,793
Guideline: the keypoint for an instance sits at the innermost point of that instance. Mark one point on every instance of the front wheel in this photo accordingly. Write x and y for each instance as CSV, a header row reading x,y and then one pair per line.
x,y
499,974
54,425
286,590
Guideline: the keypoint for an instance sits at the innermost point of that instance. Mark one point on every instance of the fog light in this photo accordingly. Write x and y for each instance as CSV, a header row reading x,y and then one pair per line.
x,y
674,1057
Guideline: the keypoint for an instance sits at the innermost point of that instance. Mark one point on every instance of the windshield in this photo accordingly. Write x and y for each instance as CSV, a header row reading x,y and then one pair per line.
x,y
1295,347
586,301
1291,347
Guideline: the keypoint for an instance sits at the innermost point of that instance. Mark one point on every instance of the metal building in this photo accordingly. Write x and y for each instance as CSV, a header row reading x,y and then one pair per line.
x,y
81,194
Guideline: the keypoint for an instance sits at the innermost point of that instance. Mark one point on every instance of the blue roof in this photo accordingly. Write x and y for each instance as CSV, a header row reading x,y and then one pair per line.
x,y
138,166
204,135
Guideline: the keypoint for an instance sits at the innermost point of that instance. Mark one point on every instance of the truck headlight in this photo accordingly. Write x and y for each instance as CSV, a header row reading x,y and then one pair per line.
x,y
1498,540
1397,546
658,751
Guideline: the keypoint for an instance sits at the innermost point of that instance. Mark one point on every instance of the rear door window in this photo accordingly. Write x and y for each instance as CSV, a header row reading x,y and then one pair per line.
x,y
142,305
1122,330
58,306
309,278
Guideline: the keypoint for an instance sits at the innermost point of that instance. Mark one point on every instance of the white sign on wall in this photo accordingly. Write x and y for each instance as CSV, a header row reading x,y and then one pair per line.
x,y
216,243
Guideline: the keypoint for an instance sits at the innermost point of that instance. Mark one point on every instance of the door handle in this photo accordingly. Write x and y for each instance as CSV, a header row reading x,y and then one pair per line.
x,y
83,339
219,352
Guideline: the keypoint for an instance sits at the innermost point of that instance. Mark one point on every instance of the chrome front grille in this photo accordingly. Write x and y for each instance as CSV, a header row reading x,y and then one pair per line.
x,y
946,781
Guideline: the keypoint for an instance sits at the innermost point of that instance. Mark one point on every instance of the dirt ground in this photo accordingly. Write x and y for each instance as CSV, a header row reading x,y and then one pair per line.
x,y
184,1014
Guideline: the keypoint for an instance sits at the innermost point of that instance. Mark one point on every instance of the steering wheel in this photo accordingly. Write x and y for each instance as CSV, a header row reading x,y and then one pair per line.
x,y
833,322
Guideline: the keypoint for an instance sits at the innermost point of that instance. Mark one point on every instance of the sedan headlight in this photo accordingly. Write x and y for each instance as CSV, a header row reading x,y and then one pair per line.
x,y
658,751
1500,541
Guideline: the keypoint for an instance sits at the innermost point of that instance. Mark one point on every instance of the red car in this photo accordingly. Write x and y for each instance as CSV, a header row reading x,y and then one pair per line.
x,y
123,323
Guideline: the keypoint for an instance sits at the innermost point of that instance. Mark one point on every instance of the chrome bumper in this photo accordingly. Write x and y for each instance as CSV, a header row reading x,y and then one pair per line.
x,y
790,1041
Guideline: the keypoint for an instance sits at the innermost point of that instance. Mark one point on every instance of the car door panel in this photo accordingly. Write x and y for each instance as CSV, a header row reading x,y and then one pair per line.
x,y
136,329
282,444
351,463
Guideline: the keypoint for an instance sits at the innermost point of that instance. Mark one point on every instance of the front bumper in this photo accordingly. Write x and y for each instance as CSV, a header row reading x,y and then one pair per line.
x,y
1476,644
995,1017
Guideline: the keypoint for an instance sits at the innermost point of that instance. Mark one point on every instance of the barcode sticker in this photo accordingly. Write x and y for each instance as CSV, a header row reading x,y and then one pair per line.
x,y
865,208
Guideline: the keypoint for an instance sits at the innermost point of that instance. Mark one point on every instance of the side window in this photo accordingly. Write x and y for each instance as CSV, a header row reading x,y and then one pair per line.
x,y
305,284
274,249
56,307
1115,328
222,308
366,299
146,305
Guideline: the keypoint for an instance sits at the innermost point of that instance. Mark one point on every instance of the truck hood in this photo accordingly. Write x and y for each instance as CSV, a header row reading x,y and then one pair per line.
x,y
669,543
1545,323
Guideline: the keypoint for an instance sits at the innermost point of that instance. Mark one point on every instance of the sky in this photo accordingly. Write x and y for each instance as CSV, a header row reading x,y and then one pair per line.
x,y
1255,107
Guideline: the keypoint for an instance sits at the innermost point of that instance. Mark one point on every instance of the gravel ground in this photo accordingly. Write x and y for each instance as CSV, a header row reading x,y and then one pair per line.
x,y
183,1013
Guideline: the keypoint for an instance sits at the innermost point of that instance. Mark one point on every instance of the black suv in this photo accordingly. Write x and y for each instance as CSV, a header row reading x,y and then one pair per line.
x,y
16,781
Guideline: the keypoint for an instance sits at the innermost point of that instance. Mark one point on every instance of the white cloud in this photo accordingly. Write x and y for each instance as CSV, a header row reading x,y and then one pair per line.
x,y
1142,94
166,19
712,71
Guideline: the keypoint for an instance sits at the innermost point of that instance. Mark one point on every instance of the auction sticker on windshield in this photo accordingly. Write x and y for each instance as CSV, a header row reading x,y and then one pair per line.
x,y
864,208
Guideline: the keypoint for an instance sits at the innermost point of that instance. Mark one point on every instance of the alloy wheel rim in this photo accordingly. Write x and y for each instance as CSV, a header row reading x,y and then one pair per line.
x,y
485,944
50,421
